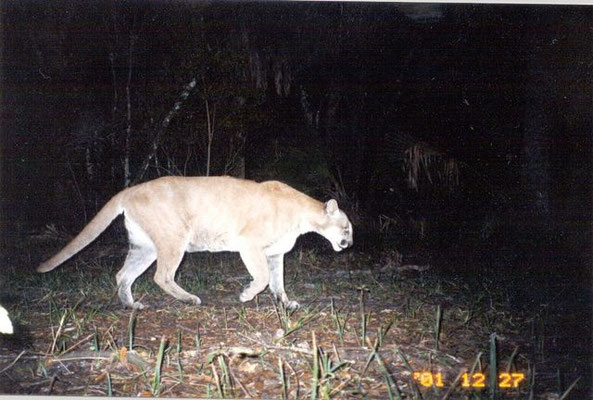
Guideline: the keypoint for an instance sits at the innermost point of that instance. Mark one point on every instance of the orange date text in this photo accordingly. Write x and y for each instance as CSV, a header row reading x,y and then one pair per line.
x,y
478,380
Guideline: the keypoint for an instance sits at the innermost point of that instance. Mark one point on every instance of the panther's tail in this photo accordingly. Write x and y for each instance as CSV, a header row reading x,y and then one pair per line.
x,y
90,232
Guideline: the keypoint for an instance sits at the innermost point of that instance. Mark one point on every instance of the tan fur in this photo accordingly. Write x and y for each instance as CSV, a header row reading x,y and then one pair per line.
x,y
169,216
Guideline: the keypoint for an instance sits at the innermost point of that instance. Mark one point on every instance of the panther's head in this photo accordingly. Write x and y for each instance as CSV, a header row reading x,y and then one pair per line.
x,y
335,226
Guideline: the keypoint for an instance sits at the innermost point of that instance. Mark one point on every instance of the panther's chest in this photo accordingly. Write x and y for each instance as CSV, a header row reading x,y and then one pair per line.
x,y
282,245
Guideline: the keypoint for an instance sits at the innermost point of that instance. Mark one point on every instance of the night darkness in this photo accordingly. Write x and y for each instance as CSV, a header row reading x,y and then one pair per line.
x,y
455,136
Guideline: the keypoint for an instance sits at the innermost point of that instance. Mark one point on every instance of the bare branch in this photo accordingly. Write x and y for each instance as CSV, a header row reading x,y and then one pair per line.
x,y
164,125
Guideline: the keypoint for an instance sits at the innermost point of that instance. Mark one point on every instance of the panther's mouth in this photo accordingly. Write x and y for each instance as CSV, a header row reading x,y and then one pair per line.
x,y
344,244
341,245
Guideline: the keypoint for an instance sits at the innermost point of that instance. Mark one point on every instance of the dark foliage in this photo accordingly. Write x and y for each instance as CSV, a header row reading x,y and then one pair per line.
x,y
328,97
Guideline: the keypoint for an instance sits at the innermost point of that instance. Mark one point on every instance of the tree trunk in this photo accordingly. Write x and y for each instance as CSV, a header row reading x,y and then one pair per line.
x,y
210,132
127,173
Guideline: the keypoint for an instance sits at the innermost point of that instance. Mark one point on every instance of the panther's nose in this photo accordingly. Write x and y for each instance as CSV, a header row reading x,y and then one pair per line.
x,y
345,243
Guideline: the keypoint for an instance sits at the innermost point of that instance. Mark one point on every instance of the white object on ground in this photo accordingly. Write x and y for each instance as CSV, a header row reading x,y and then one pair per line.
x,y
5,324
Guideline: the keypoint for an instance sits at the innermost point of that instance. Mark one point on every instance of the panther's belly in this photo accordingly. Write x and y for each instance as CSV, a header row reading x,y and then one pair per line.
x,y
210,242
221,242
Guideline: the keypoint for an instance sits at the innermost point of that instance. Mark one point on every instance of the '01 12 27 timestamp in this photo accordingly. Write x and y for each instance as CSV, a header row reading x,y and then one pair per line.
x,y
506,380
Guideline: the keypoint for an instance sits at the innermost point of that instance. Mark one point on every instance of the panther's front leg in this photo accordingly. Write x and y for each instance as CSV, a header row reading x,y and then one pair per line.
x,y
276,267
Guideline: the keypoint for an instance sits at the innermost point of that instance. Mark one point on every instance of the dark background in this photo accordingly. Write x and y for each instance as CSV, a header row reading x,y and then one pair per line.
x,y
459,135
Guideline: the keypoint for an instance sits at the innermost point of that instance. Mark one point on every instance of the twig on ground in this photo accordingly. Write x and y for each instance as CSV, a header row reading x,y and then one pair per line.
x,y
283,348
13,362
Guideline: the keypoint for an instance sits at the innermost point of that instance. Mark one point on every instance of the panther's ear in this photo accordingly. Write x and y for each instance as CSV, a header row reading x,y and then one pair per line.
x,y
331,208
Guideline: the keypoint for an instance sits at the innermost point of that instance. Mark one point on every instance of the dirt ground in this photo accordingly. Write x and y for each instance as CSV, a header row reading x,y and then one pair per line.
x,y
368,327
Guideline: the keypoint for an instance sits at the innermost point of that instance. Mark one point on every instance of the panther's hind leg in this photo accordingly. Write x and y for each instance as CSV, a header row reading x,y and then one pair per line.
x,y
141,255
137,261
168,260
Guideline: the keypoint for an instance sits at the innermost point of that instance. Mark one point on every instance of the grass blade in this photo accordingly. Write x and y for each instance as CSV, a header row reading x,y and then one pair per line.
x,y
217,381
179,366
572,385
109,386
283,379
493,367
131,327
388,379
437,327
315,382
156,385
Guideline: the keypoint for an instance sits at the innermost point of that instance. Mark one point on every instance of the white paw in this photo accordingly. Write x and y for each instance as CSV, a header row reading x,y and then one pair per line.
x,y
138,306
244,296
291,305
195,300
